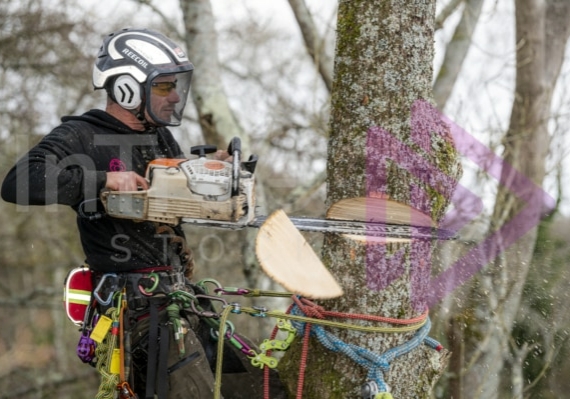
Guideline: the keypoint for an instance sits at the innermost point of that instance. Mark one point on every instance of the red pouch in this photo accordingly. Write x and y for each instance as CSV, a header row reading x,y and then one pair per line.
x,y
77,294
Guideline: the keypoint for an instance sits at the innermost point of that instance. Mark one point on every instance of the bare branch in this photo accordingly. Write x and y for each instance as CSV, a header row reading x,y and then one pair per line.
x,y
446,12
557,32
456,52
167,21
312,41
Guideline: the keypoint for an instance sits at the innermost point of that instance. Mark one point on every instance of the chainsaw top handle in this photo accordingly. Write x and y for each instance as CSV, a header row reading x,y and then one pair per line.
x,y
202,150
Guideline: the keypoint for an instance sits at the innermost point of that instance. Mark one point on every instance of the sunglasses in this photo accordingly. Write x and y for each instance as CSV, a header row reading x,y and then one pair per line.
x,y
162,89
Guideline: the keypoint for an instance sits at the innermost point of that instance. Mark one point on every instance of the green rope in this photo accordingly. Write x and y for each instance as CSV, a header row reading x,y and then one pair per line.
x,y
173,311
104,353
282,315
253,292
219,360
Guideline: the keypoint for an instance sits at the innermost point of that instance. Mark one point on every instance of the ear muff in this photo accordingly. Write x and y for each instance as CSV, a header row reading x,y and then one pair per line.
x,y
127,92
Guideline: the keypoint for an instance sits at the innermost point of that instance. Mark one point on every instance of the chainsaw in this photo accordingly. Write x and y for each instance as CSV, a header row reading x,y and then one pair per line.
x,y
218,193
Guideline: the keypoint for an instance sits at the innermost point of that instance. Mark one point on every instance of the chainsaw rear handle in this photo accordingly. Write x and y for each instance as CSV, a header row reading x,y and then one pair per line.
x,y
235,145
234,149
251,163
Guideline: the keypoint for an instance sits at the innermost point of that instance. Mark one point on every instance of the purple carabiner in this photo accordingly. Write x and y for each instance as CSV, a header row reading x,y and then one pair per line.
x,y
86,348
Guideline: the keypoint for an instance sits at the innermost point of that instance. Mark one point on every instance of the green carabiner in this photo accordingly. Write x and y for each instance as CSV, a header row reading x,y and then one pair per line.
x,y
153,276
216,283
261,359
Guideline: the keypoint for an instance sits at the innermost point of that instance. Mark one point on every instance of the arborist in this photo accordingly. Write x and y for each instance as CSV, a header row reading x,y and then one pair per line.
x,y
139,270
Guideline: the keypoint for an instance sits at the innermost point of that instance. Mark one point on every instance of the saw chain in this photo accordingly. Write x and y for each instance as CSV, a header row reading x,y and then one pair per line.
x,y
350,227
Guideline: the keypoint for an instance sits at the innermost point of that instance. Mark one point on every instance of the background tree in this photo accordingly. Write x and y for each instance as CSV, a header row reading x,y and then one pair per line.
x,y
541,36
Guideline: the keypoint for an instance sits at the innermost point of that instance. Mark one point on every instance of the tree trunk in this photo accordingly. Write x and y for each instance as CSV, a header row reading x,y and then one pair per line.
x,y
541,34
385,140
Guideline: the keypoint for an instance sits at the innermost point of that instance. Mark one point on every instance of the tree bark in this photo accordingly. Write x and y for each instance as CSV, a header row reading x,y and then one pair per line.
x,y
541,34
385,140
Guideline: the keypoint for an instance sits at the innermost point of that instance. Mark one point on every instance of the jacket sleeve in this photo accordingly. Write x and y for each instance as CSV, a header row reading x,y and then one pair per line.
x,y
55,171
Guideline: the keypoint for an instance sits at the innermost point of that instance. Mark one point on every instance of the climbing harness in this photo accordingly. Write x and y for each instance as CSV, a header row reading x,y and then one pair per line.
x,y
105,340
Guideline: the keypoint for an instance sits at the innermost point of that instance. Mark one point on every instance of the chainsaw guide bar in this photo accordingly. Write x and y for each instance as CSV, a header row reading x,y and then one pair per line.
x,y
378,230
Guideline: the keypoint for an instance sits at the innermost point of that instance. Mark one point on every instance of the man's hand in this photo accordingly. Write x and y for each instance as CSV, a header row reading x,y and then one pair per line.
x,y
222,155
125,181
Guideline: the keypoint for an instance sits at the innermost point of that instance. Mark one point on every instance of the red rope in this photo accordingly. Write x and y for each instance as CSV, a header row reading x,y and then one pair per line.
x,y
266,369
303,361
311,309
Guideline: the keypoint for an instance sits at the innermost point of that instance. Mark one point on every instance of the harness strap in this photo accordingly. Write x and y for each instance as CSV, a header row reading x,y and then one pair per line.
x,y
162,373
181,363
152,350
158,348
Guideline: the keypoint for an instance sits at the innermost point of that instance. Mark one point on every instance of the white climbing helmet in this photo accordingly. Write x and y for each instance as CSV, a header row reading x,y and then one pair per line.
x,y
132,64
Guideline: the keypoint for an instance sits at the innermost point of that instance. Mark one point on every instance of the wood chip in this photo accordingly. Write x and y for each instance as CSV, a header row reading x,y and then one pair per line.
x,y
287,258
378,208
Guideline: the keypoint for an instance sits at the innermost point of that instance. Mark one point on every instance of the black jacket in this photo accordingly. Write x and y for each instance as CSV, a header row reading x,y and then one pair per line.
x,y
69,167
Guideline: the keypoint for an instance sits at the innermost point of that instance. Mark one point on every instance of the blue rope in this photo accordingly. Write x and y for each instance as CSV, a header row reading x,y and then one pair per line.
x,y
376,364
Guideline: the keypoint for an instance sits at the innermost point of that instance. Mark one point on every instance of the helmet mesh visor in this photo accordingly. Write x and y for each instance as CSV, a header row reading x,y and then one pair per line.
x,y
167,96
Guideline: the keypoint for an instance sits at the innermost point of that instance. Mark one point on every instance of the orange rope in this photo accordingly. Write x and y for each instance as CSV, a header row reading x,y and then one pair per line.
x,y
311,309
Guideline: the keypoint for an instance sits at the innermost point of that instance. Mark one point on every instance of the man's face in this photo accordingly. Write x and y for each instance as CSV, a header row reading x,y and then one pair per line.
x,y
164,97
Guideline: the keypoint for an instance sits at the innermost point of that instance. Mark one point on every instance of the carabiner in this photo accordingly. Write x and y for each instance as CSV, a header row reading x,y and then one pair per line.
x,y
207,313
229,331
125,391
155,280
239,343
112,288
261,311
202,284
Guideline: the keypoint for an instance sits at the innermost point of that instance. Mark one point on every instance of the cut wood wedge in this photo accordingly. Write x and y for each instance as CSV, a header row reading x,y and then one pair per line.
x,y
287,258
379,209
